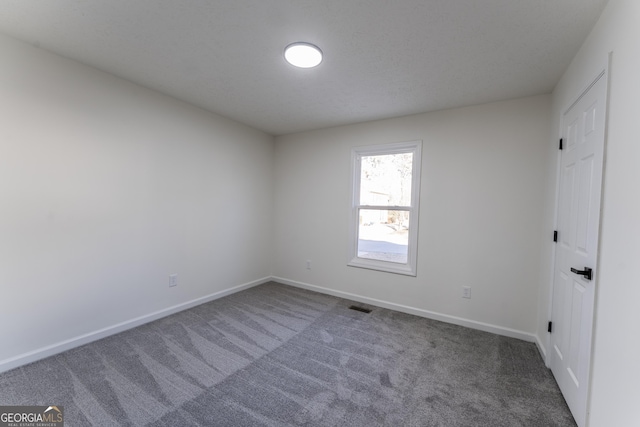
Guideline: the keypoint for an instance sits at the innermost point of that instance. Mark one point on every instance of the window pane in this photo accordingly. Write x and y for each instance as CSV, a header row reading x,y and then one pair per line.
x,y
383,235
386,180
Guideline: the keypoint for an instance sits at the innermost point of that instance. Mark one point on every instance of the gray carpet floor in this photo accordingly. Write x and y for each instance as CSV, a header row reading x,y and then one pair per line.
x,y
274,355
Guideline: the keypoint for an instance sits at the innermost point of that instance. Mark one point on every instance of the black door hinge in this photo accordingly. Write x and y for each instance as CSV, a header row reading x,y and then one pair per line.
x,y
561,143
550,327
555,236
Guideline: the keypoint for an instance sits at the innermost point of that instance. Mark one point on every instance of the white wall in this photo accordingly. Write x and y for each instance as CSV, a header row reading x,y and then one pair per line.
x,y
106,188
615,391
483,175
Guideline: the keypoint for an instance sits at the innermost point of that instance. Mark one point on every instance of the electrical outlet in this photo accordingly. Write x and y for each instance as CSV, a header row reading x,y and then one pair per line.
x,y
466,292
308,264
173,280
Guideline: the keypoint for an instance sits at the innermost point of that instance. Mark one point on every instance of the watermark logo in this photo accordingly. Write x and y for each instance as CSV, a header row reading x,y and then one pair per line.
x,y
31,416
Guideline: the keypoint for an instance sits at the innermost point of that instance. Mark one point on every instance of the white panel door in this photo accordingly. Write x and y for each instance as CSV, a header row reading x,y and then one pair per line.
x,y
576,252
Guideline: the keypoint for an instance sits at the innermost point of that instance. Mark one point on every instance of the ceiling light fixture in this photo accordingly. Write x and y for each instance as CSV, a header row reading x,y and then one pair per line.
x,y
303,55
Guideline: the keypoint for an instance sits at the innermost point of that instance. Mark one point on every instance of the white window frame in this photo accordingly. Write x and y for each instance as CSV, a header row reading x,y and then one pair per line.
x,y
410,268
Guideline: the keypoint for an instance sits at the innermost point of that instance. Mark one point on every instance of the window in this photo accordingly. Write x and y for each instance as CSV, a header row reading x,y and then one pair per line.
x,y
384,208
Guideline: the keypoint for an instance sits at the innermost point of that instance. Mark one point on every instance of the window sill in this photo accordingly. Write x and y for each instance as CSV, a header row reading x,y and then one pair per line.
x,y
388,267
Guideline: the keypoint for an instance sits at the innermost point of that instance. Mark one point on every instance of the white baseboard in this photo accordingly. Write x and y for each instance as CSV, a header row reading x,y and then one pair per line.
x,y
543,351
486,327
50,350
41,353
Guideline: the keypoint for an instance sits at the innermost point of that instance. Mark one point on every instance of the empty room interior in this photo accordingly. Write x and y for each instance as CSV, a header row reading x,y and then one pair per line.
x,y
195,231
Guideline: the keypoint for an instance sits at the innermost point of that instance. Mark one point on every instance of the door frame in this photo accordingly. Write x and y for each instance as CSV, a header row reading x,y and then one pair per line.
x,y
603,73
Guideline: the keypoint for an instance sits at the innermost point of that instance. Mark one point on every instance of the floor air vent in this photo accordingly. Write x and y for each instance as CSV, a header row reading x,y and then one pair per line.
x,y
364,310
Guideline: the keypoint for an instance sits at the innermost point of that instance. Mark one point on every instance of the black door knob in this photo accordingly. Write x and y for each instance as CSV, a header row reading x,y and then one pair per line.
x,y
586,273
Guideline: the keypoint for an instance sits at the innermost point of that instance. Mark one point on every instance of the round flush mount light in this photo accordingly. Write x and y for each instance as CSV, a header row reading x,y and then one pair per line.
x,y
303,55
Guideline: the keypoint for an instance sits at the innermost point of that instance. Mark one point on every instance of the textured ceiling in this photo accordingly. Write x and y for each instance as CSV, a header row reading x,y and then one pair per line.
x,y
382,58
